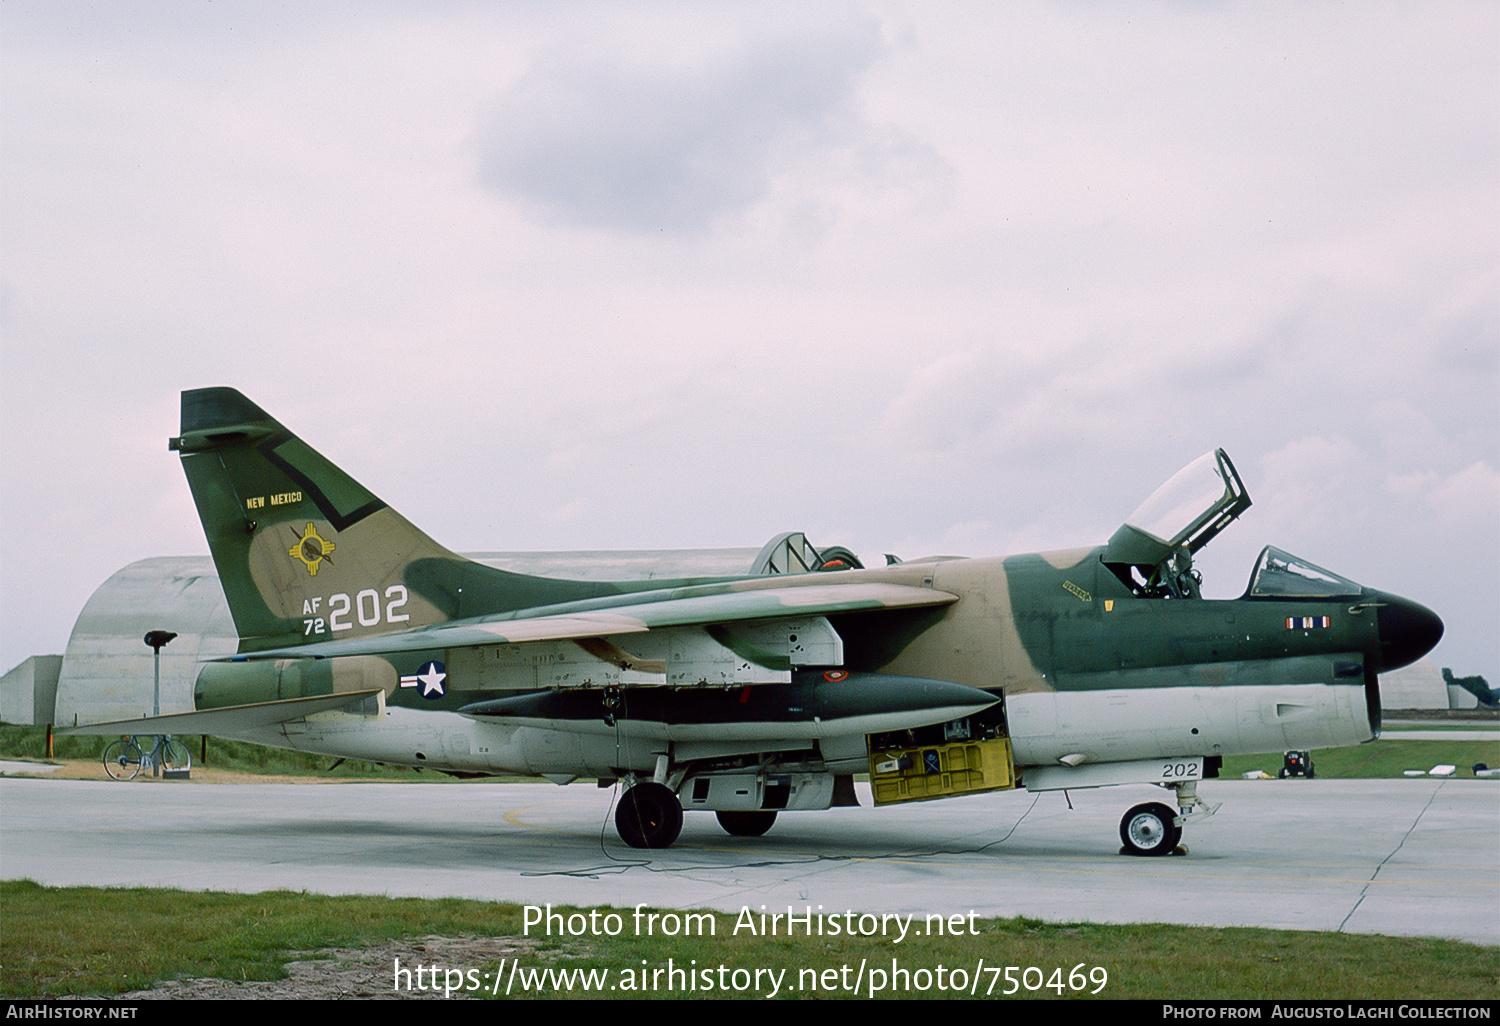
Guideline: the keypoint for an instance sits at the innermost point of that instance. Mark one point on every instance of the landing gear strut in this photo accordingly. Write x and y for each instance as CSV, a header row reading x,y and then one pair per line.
x,y
649,816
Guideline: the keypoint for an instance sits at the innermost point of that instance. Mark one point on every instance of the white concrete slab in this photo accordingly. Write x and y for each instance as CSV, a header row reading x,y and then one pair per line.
x,y
10,766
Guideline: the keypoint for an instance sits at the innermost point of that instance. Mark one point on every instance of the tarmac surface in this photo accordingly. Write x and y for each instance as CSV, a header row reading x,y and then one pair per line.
x,y
1401,857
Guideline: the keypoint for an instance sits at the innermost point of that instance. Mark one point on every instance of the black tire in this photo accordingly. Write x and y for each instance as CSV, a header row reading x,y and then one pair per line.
x,y
1281,773
122,759
746,824
1150,830
649,816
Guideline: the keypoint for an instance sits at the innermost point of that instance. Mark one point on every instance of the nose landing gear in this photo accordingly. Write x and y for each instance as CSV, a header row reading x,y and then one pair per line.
x,y
1154,829
1150,829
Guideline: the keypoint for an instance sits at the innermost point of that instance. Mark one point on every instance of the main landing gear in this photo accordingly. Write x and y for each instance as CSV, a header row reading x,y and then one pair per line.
x,y
746,824
649,816
1154,829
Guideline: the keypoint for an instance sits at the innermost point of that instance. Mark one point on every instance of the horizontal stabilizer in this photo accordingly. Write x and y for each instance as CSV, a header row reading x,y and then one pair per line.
x,y
634,617
229,719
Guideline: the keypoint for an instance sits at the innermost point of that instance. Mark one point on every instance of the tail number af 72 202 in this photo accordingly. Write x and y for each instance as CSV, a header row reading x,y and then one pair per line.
x,y
365,606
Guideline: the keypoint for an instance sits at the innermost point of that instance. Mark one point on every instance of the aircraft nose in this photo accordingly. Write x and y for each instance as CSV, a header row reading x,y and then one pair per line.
x,y
1408,631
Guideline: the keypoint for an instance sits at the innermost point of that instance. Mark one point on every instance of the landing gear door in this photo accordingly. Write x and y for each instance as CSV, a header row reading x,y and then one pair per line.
x,y
1183,515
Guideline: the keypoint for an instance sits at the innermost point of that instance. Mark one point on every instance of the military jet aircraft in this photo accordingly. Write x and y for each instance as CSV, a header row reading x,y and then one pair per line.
x,y
765,692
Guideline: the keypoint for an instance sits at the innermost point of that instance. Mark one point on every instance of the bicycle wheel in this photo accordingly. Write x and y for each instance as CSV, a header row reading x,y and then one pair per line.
x,y
122,759
174,755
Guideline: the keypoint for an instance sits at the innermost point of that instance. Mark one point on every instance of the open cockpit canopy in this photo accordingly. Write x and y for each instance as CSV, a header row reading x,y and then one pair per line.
x,y
1195,504
1152,551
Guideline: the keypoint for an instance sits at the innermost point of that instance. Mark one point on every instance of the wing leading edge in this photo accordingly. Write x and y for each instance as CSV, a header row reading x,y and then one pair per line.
x,y
629,618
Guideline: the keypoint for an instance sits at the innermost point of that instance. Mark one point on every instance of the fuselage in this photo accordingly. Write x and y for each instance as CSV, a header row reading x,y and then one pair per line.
x,y
1087,669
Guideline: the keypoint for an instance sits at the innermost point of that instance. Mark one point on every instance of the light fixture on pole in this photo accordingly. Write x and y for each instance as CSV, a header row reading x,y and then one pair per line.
x,y
157,639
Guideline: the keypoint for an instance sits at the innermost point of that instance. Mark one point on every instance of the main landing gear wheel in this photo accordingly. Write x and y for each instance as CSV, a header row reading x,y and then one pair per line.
x,y
1150,830
746,824
649,816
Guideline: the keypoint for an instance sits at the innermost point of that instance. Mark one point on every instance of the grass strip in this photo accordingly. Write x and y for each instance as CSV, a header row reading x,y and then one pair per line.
x,y
93,941
1387,757
18,742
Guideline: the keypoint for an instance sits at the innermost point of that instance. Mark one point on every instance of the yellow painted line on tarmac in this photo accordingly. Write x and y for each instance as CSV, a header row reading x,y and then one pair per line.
x,y
512,817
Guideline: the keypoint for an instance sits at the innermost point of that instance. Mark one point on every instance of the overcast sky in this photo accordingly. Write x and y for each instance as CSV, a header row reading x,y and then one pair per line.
x,y
913,278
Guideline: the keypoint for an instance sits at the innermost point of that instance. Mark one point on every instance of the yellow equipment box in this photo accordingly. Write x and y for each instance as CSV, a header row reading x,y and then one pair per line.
x,y
940,771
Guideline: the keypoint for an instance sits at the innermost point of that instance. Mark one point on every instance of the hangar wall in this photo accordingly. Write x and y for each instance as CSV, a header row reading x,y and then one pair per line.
x,y
107,670
1419,686
28,693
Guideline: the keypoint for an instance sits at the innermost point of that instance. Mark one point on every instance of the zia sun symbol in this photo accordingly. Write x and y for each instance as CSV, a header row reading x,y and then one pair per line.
x,y
311,549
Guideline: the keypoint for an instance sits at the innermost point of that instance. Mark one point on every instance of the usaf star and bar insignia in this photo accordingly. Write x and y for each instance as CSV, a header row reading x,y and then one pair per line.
x,y
429,680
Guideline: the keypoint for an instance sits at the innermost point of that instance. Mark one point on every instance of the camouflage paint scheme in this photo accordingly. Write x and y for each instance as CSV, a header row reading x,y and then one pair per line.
x,y
1101,657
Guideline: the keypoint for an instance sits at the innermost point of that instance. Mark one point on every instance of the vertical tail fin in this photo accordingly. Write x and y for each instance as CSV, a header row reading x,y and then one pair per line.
x,y
305,553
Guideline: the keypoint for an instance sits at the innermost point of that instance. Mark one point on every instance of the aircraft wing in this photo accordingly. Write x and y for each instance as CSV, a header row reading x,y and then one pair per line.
x,y
628,618
228,719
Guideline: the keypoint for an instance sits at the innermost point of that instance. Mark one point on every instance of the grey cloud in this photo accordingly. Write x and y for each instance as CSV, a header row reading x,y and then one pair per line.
x,y
647,148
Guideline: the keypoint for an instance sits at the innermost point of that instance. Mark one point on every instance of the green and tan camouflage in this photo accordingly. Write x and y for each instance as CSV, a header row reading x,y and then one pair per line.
x,y
767,691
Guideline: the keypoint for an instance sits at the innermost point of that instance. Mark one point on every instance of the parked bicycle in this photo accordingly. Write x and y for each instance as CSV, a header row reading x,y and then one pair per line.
x,y
123,759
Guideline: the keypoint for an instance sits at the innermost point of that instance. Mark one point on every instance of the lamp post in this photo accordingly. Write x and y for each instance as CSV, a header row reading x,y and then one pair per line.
x,y
157,639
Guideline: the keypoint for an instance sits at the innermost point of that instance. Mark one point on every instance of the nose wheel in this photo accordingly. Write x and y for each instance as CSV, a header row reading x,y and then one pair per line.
x,y
649,816
1150,829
